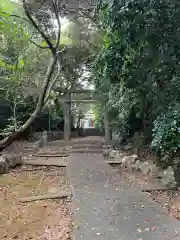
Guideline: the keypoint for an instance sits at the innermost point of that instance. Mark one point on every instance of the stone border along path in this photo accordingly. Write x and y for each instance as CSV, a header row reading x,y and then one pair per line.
x,y
106,207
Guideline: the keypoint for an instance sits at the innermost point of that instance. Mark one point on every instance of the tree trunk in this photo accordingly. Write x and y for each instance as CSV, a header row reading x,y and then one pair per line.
x,y
67,118
107,128
14,117
14,136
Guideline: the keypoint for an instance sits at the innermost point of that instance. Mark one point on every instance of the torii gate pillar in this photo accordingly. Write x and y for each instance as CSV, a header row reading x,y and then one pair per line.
x,y
67,117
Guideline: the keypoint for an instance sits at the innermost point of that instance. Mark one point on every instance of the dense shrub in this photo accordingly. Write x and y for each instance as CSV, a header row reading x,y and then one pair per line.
x,y
139,65
166,135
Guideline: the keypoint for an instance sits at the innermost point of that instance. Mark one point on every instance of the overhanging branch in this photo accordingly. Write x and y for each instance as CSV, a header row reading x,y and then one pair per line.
x,y
39,46
37,27
16,16
56,11
51,86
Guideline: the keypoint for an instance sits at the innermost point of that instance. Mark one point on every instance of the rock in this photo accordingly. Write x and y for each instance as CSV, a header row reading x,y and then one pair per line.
x,y
106,152
154,171
145,167
148,168
168,178
115,136
44,138
168,172
16,160
8,161
176,169
160,174
172,185
13,160
137,165
114,153
129,160
118,158
3,165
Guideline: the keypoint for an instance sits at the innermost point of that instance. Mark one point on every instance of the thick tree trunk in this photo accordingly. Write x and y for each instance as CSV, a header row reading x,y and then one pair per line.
x,y
67,118
107,127
14,136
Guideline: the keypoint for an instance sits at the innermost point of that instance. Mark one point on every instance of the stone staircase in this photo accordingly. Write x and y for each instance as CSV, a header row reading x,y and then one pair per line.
x,y
87,146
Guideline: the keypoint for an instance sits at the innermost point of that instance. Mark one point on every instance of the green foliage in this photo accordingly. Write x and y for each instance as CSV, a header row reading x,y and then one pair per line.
x,y
98,113
138,65
13,125
166,135
23,65
15,54
8,6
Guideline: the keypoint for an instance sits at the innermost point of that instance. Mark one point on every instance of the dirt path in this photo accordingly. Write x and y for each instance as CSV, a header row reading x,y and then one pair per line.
x,y
39,220
48,219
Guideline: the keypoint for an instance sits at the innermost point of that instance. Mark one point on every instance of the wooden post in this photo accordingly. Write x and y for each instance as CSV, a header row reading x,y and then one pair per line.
x,y
67,117
107,127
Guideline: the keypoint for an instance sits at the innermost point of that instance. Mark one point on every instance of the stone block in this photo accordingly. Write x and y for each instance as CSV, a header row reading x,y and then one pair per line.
x,y
145,167
129,160
8,161
106,152
168,178
154,171
3,165
137,165
113,153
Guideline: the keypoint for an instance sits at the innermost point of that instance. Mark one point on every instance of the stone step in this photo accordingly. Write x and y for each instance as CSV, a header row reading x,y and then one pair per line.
x,y
87,146
82,150
91,142
46,161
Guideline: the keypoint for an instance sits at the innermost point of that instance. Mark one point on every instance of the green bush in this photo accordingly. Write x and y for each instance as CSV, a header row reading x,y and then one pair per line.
x,y
166,136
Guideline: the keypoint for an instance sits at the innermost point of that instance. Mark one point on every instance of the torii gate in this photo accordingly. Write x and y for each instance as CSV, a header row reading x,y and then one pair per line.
x,y
84,95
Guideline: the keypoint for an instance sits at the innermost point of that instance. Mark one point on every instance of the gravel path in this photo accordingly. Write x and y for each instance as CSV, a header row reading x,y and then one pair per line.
x,y
107,207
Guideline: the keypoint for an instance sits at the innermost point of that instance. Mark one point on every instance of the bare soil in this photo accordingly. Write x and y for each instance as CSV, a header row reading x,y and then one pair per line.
x,y
39,220
47,219
168,199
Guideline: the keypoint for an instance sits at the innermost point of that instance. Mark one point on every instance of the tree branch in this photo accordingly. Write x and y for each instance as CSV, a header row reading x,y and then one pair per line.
x,y
52,84
46,83
14,135
62,50
51,47
58,21
25,19
39,46
14,15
